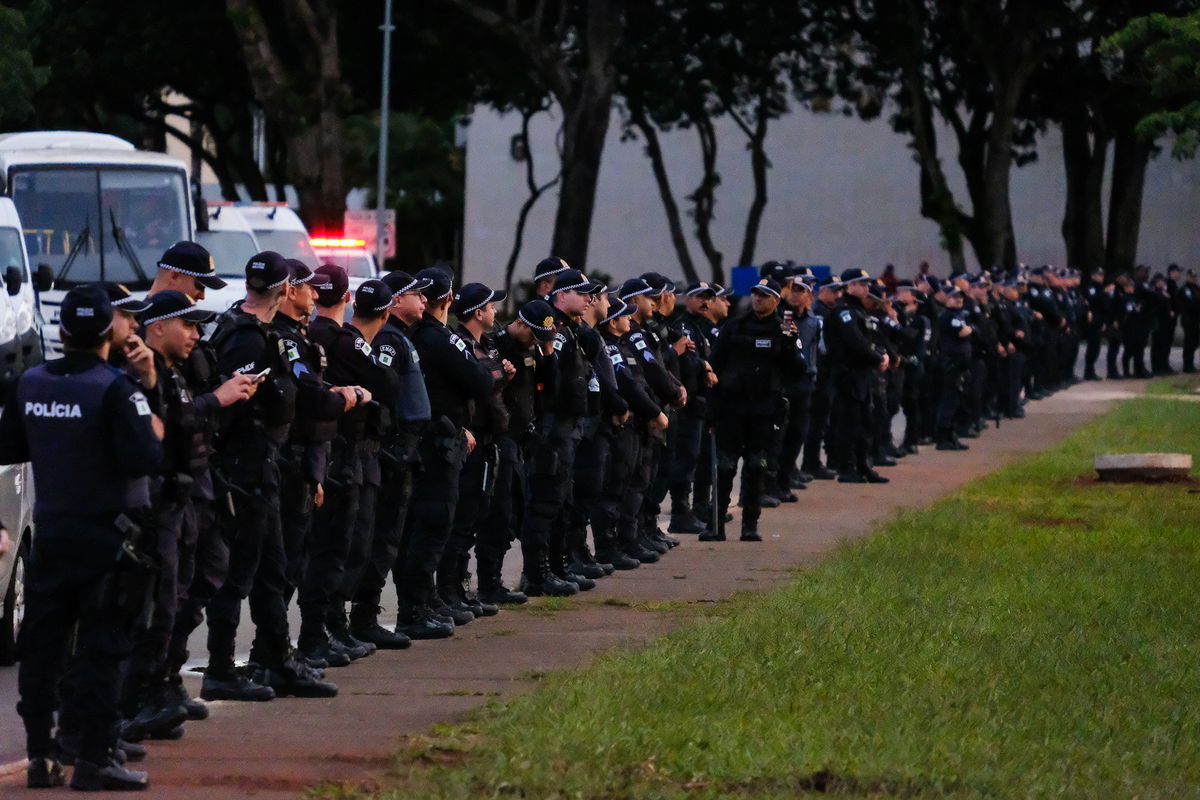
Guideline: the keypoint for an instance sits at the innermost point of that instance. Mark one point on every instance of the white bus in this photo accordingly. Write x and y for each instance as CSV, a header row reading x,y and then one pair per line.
x,y
93,207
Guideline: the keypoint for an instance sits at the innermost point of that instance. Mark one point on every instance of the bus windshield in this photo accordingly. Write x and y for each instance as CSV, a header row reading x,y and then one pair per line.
x,y
116,221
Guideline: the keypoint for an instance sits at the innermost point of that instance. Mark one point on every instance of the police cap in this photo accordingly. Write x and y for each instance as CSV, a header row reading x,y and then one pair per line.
x,y
373,296
548,267
400,282
632,288
574,280
123,299
766,286
298,272
172,304
331,283
86,315
189,258
538,315
440,285
266,270
475,296
854,274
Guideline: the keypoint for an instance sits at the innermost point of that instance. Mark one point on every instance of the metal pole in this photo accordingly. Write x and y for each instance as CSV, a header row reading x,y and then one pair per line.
x,y
381,190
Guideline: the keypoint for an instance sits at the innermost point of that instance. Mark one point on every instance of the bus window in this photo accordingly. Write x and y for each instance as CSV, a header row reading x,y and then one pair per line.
x,y
147,208
58,208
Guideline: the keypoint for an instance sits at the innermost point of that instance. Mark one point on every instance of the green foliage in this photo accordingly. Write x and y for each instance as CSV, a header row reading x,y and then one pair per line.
x,y
1031,636
1167,51
20,78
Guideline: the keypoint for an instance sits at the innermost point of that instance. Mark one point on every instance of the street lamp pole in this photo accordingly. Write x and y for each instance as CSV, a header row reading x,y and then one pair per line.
x,y
381,178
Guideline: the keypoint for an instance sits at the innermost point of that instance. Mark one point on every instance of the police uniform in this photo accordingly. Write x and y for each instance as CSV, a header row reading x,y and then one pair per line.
x,y
454,381
615,520
550,454
87,430
751,357
247,457
821,402
398,460
956,369
856,362
690,422
1187,302
524,398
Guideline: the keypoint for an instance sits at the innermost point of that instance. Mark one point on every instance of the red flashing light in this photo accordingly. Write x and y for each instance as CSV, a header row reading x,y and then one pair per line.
x,y
326,242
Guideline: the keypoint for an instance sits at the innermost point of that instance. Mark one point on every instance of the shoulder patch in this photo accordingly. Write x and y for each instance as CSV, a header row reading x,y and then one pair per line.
x,y
361,345
385,359
846,316
140,403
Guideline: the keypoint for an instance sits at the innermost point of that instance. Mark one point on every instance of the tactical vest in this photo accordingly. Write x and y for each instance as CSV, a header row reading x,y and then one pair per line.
x,y
187,448
412,399
69,445
276,395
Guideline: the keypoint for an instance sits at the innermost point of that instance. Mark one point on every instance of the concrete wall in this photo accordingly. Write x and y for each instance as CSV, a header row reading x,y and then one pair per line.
x,y
842,192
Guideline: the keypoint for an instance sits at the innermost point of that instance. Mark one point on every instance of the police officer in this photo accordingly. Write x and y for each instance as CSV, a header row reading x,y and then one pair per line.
x,y
1187,303
455,381
92,439
614,521
398,456
829,292
796,310
203,550
698,380
753,353
170,324
955,339
857,362
247,455
475,307
1097,303
528,344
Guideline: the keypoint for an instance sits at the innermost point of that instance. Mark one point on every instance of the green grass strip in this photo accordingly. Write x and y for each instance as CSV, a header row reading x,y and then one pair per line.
x,y
1033,635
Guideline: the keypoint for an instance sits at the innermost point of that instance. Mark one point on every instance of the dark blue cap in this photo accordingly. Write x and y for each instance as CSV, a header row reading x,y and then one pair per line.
x,y
373,296
400,282
441,285
474,296
266,270
539,316
171,304
86,314
854,274
189,258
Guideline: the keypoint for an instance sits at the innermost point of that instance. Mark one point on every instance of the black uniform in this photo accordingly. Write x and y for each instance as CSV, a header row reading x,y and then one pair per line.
x,y
1187,304
398,461
751,357
855,362
523,397
956,369
455,381
690,422
86,428
247,456
821,401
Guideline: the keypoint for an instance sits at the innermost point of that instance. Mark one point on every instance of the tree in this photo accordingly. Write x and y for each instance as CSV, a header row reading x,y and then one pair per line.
x,y
570,45
291,52
685,64
19,77
970,64
1166,52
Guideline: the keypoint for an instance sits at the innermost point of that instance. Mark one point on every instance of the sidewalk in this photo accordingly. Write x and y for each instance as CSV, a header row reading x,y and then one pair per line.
x,y
277,749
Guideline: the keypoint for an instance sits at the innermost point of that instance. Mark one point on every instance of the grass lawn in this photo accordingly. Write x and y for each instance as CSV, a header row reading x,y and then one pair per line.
x,y
1032,636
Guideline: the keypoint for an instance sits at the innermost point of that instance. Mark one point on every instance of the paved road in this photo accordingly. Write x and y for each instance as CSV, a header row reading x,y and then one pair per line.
x,y
275,750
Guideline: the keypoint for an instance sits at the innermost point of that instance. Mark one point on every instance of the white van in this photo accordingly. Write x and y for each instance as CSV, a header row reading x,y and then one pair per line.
x,y
20,348
231,242
93,207
278,228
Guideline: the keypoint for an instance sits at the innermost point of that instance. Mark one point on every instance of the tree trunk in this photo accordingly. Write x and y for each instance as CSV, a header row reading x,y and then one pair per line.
x,y
1130,158
585,127
666,194
1085,156
759,164
313,140
704,199
998,248
535,192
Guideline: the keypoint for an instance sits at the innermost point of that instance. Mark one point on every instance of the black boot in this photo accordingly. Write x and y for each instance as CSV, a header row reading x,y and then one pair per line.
x,y
539,581
44,773
608,551
111,776
196,709
683,520
230,684
295,678
339,632
750,531
491,585
561,567
364,626
473,601
416,621
158,715
719,534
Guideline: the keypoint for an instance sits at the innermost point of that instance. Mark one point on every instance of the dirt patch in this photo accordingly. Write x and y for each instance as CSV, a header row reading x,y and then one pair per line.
x,y
1093,480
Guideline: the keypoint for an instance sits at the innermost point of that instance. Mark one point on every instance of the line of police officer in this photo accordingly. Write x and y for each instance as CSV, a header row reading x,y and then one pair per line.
x,y
296,455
